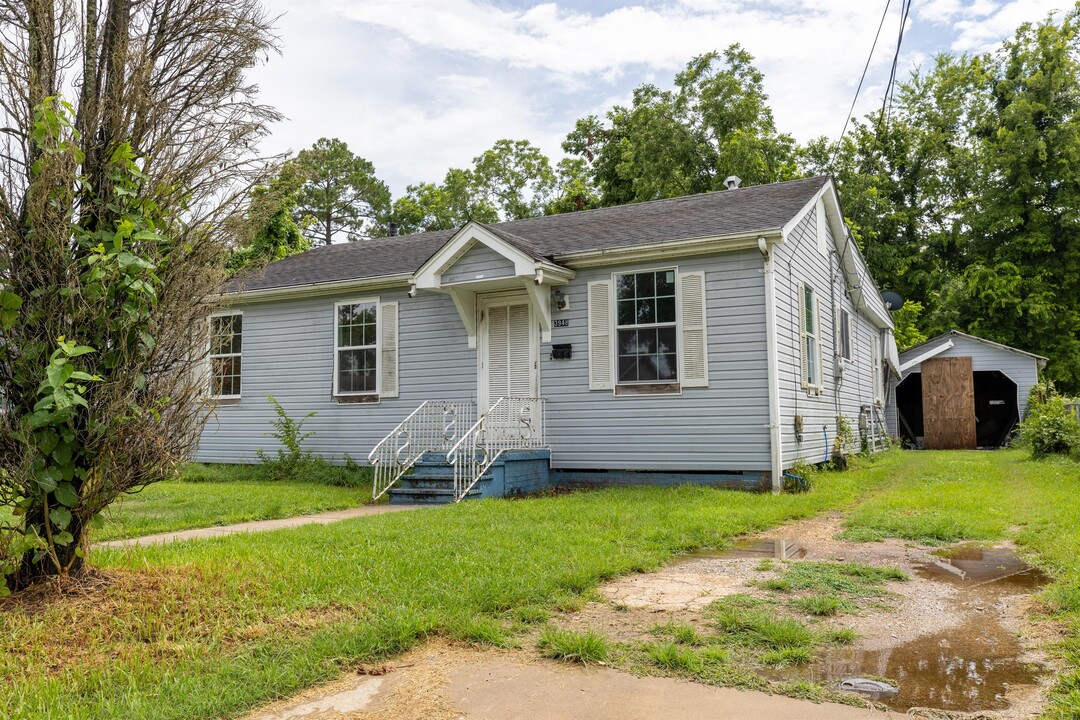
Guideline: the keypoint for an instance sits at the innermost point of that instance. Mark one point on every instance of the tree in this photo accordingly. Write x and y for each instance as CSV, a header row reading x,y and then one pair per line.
x,y
426,206
514,177
114,211
575,189
271,230
340,193
714,123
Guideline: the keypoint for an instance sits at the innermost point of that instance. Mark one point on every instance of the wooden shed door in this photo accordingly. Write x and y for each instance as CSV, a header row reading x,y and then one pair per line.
x,y
948,391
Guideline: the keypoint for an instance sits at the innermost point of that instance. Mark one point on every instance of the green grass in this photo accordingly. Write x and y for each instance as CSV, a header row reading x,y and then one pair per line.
x,y
576,647
824,605
213,628
682,633
213,495
675,658
849,578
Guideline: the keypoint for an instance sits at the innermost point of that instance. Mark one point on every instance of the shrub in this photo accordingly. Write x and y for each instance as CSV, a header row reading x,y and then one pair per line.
x,y
291,436
1051,428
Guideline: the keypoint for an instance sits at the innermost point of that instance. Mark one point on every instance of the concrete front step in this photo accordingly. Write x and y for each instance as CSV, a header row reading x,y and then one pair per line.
x,y
418,480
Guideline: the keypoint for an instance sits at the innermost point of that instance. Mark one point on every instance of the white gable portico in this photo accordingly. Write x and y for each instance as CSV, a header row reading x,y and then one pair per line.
x,y
477,260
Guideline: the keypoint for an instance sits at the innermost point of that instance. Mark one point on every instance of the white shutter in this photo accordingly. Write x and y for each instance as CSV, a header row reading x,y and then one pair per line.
x,y
388,350
694,353
801,289
817,328
600,335
498,352
519,353
838,336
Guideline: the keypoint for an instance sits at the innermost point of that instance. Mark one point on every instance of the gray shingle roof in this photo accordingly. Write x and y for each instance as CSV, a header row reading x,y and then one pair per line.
x,y
727,212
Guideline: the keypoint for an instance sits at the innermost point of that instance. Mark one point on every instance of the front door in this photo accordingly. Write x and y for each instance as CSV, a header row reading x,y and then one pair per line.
x,y
508,349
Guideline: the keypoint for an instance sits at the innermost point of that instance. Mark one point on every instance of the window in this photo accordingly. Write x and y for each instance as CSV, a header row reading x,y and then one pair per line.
x,y
843,335
811,341
226,341
646,328
356,348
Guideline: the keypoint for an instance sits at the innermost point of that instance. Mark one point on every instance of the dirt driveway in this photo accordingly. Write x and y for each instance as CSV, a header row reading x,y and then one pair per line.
x,y
957,637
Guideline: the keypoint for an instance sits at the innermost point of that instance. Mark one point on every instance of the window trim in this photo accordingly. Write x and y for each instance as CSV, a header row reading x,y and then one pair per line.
x,y
813,385
337,393
645,388
844,321
211,356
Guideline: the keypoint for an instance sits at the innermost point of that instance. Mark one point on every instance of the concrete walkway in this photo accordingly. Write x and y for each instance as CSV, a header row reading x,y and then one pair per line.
x,y
257,526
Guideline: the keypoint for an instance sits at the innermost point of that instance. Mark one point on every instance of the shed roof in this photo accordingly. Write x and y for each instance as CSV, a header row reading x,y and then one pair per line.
x,y
759,208
912,351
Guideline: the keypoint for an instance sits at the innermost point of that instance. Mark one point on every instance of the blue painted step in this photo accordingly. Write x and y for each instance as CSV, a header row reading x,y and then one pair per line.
x,y
432,478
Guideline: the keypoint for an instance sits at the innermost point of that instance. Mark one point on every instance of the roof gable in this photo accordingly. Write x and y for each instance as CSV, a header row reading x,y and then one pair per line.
x,y
912,351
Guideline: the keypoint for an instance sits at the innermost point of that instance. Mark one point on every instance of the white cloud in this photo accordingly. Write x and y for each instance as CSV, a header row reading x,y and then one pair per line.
x,y
418,86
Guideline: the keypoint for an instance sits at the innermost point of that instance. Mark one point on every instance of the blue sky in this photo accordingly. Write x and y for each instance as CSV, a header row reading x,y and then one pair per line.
x,y
417,86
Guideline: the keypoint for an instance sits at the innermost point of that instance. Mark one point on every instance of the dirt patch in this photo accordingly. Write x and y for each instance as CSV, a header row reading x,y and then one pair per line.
x,y
441,681
957,636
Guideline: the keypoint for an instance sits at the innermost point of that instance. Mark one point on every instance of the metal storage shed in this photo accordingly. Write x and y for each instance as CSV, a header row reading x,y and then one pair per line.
x,y
958,391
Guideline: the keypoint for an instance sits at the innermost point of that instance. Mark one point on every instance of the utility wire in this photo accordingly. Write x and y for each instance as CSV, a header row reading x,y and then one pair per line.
x,y
847,118
890,90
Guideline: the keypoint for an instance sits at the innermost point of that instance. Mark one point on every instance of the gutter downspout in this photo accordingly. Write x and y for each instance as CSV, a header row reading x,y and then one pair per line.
x,y
776,450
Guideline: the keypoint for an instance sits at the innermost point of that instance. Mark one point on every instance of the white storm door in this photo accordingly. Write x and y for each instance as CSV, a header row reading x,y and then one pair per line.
x,y
508,350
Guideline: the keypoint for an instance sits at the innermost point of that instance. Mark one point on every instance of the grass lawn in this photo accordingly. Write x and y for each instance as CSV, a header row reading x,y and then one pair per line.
x,y
201,630
212,495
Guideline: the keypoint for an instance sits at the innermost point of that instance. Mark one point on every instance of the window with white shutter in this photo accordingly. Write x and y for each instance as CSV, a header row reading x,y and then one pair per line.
x,y
810,339
388,349
694,352
600,335
356,348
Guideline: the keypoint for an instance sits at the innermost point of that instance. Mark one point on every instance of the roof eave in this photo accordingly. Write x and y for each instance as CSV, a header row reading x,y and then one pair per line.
x,y
665,249
318,289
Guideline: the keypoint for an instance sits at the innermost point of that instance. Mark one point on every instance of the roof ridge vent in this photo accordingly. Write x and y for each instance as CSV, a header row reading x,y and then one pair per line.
x,y
732,182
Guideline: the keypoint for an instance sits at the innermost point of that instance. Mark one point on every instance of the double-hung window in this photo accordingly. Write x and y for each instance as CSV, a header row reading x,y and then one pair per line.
x,y
646,328
226,346
843,335
811,339
356,348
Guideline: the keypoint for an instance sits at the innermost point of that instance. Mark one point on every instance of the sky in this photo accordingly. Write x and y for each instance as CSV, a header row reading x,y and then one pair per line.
x,y
419,86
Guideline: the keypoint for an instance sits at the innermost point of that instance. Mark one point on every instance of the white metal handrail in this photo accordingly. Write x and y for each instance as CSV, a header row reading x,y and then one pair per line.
x,y
435,426
512,423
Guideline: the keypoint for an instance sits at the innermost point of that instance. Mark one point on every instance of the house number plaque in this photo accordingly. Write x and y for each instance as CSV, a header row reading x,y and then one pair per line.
x,y
560,323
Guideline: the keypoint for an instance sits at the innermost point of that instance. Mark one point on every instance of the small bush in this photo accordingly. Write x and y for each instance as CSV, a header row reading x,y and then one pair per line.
x,y
1051,428
290,436
573,646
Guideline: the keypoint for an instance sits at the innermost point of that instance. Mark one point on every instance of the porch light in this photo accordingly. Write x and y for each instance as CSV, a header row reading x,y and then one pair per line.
x,y
558,299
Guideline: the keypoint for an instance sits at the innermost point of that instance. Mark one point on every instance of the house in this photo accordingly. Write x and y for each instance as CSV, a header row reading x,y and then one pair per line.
x,y
715,338
958,391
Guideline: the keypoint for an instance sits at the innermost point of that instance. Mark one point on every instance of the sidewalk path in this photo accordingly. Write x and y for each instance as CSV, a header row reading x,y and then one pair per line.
x,y
257,526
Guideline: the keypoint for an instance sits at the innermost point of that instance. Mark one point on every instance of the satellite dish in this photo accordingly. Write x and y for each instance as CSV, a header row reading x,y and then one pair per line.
x,y
892,300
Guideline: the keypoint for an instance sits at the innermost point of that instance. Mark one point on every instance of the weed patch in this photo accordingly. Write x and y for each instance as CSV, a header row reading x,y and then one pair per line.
x,y
569,646
824,605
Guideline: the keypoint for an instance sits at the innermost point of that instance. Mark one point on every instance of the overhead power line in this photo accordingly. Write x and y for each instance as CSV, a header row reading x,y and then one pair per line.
x,y
877,35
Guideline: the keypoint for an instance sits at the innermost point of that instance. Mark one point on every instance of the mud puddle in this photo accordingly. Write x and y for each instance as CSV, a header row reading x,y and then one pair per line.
x,y
777,549
971,666
957,637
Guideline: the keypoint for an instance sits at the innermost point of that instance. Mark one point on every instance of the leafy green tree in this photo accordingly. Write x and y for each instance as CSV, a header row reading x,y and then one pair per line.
x,y
575,189
714,123
340,194
515,177
114,218
274,234
427,206
1023,284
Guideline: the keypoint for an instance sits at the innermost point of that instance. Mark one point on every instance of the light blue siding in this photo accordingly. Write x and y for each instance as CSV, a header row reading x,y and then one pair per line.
x,y
288,352
799,260
479,263
721,427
